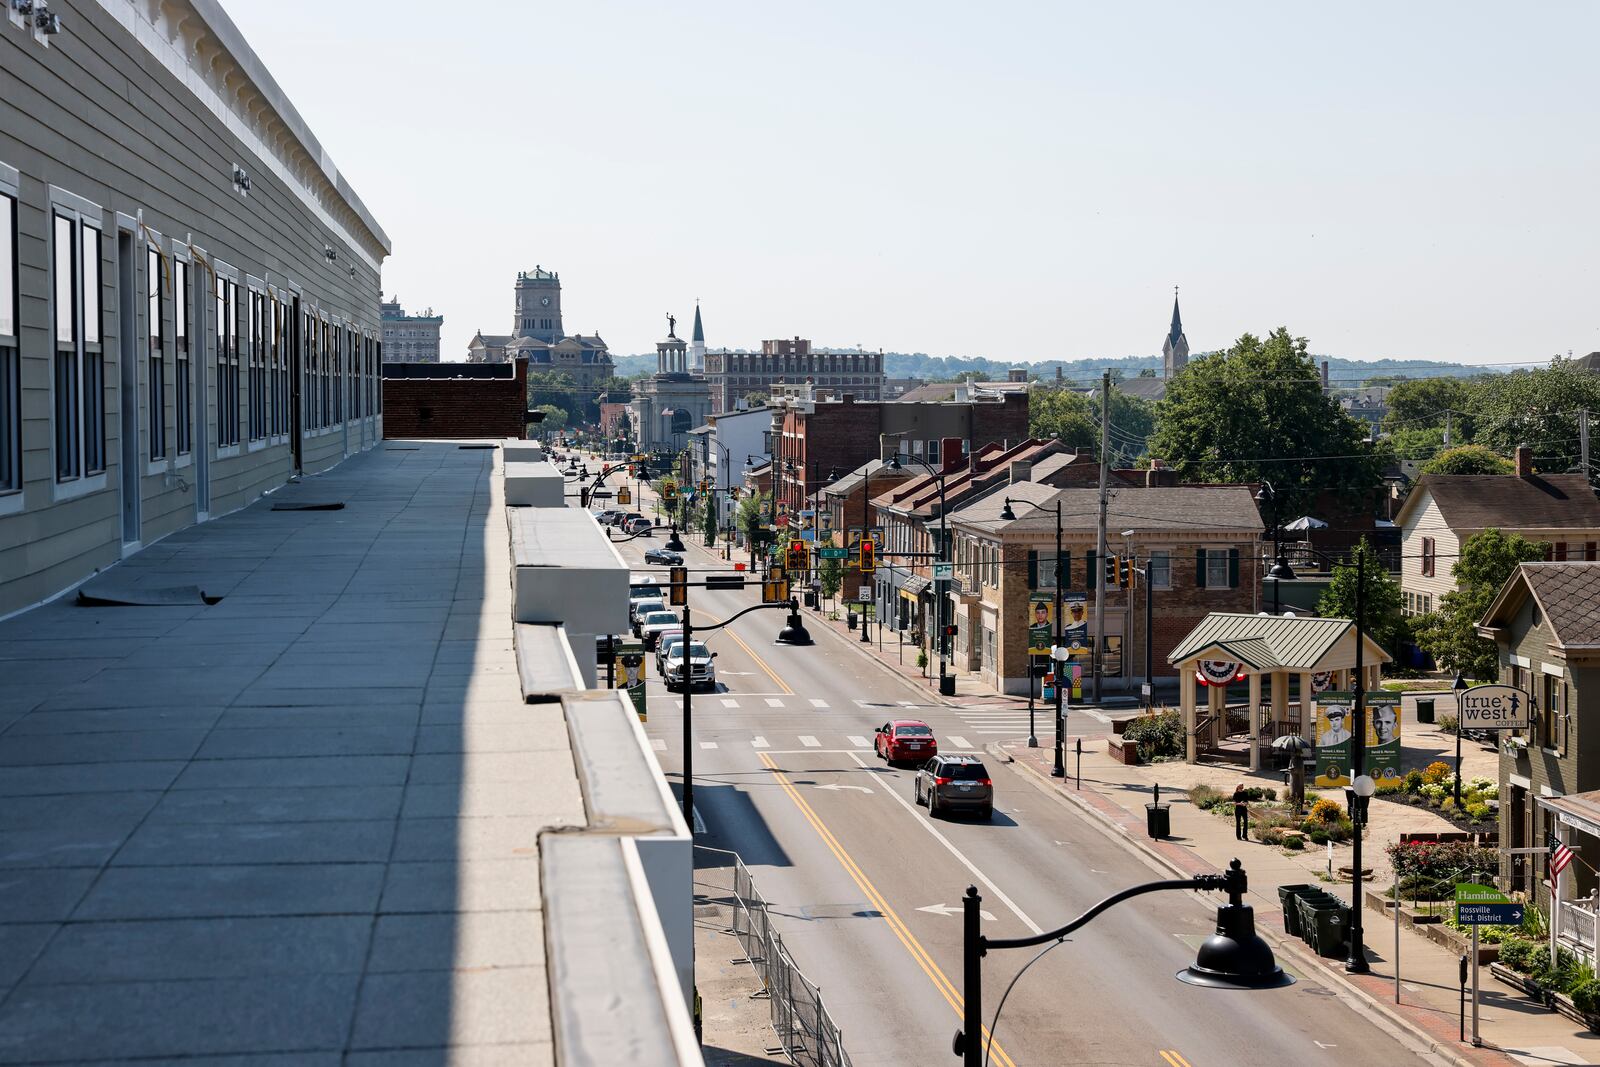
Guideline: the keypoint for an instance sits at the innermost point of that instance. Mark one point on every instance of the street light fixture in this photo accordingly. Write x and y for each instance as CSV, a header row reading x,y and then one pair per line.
x,y
1459,686
947,681
1058,651
1234,957
1280,571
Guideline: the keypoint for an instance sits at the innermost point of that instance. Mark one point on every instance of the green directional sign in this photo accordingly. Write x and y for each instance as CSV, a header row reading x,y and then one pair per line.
x,y
831,552
1478,904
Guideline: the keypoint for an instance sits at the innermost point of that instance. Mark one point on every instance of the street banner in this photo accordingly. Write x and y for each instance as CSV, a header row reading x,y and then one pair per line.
x,y
629,675
1075,629
1383,738
1494,707
1334,711
1041,624
852,542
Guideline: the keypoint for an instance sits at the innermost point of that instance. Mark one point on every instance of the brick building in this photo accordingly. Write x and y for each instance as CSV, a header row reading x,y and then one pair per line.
x,y
455,399
1198,544
811,438
731,376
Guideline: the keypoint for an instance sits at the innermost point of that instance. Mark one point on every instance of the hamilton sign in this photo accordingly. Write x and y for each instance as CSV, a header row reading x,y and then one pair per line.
x,y
1494,707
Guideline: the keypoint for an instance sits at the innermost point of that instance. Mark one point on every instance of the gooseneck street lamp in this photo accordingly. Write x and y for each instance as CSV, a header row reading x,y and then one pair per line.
x,y
947,681
1057,650
1458,687
793,633
1280,570
1234,957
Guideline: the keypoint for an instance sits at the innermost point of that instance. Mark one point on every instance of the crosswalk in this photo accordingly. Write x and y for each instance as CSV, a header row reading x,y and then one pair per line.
x,y
752,703
950,743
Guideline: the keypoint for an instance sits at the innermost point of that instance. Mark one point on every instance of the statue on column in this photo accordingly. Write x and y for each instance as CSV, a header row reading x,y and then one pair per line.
x,y
672,325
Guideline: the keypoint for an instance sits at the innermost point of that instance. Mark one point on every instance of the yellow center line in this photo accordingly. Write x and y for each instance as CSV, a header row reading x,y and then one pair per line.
x,y
1174,1058
759,661
909,940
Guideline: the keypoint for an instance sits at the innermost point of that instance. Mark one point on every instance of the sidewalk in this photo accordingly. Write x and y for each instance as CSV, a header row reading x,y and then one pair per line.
x,y
1514,1029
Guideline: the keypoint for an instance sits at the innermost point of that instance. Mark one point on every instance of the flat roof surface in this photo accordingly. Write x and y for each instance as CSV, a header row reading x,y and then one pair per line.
x,y
299,825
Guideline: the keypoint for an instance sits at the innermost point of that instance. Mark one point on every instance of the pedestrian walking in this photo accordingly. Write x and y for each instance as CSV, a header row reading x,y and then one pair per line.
x,y
1241,813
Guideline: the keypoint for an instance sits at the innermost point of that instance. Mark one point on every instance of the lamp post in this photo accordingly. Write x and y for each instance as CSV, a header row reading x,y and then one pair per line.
x,y
1280,571
947,681
1058,650
1357,961
1459,686
1234,957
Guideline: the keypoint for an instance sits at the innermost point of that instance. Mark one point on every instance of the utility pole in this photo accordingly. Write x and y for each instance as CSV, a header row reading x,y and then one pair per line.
x,y
1098,656
1447,429
1583,439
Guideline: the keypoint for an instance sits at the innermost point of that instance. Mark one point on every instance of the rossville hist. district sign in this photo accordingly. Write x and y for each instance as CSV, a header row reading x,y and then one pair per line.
x,y
1494,707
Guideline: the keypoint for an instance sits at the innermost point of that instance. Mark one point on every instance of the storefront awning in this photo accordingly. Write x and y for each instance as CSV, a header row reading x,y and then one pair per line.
x,y
914,585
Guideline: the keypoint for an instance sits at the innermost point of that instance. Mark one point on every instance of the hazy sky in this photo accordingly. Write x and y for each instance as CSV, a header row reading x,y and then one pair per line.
x,y
1018,181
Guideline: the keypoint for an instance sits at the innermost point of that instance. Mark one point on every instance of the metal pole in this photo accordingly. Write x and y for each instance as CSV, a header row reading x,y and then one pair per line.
x,y
944,557
971,980
1033,736
688,731
1476,1040
1396,896
1149,637
1079,741
1058,667
1458,752
1097,654
866,526
1357,961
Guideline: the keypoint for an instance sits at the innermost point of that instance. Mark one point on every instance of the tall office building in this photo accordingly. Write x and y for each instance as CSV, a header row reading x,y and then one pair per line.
x,y
409,338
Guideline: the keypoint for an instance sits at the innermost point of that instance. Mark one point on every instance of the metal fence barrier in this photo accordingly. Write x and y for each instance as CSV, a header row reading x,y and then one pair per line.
x,y
806,1032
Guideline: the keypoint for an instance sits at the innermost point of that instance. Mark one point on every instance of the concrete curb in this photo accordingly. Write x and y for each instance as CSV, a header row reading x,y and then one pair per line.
x,y
1382,1014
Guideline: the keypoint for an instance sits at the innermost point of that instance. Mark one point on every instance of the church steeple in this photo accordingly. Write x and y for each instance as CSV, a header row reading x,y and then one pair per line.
x,y
697,344
1175,349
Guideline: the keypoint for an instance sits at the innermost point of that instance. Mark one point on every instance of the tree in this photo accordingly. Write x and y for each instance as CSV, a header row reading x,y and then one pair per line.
x,y
1427,402
756,400
1257,411
1133,420
1411,443
1065,415
751,510
1380,598
1450,635
616,390
830,572
1468,459
554,387
554,420
708,519
1538,408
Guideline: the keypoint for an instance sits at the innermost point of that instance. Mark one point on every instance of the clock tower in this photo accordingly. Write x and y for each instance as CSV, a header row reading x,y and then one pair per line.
x,y
538,305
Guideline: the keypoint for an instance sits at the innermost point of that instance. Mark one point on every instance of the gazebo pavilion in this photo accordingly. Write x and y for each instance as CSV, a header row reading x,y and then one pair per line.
x,y
1321,652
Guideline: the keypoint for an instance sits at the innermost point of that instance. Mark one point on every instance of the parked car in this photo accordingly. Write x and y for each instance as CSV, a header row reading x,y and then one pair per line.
x,y
701,670
638,609
905,739
664,557
652,625
955,783
638,526
606,517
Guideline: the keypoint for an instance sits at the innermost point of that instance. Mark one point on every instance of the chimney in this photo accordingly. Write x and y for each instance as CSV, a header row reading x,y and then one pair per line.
x,y
1523,457
1021,471
1324,376
848,398
1159,475
1058,374
1017,374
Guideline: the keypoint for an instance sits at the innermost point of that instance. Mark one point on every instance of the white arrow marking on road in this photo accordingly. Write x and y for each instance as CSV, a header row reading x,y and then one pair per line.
x,y
658,744
908,703
774,702
759,742
1321,1045
818,703
858,741
809,741
959,742
739,674
835,786
708,744
730,703
946,909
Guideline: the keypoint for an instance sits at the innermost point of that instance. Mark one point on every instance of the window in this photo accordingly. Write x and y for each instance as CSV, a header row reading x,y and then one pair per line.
x,y
157,363
227,363
377,362
354,362
325,387
80,434
183,396
1550,711
1561,551
1160,569
308,372
10,359
257,384
1427,557
338,374
1217,568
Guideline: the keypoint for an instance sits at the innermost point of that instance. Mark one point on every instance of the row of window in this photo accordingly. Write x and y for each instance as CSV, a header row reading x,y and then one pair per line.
x,y
1416,603
979,561
332,355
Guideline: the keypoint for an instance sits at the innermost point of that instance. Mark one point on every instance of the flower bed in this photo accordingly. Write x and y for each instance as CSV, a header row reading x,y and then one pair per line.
x,y
1434,788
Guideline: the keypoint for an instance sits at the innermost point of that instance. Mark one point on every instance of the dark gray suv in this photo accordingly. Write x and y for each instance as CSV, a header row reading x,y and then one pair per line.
x,y
955,783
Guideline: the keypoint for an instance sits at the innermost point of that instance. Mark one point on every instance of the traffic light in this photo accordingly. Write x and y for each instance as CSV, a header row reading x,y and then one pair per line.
x,y
669,492
797,555
733,494
704,485
678,586
869,562
950,629
624,495
1113,572
775,589
1125,572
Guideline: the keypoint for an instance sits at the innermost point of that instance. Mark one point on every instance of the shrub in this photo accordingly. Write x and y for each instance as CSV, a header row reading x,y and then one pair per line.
x,y
1586,996
1258,793
1318,836
1479,812
1324,811
1559,976
1157,734
1436,772
1294,844
1447,724
922,657
1515,953
1271,835
1205,798
1391,790
1413,781
1447,804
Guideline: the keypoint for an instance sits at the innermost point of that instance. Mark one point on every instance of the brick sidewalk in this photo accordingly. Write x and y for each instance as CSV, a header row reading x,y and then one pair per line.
x,y
1515,1030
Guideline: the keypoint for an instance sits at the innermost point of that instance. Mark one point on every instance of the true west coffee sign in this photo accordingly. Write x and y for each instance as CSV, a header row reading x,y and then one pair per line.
x,y
1494,707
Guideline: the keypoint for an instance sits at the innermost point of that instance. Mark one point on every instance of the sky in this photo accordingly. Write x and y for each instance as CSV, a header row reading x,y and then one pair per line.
x,y
1012,180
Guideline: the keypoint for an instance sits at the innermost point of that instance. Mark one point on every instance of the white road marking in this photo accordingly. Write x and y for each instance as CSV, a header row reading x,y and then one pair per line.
x,y
708,744
946,909
759,742
818,703
968,864
858,741
809,741
774,702
699,823
959,742
1319,1044
909,704
835,787
729,703
658,744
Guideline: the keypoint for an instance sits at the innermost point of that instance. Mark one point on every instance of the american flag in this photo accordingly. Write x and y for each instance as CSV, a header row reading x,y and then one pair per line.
x,y
1560,856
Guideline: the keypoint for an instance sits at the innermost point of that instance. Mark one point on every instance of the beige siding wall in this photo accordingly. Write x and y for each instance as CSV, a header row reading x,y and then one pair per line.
x,y
1426,520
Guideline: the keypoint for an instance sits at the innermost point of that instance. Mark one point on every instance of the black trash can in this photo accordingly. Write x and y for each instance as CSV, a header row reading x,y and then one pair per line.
x,y
850,620
1158,820
1425,711
810,599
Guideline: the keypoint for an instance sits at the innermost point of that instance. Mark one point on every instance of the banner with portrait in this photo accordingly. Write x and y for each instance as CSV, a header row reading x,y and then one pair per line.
x,y
1041,624
1075,628
1334,712
1383,738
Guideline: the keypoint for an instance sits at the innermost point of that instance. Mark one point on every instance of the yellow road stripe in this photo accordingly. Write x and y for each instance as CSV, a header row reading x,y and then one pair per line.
x,y
1175,1058
909,940
759,662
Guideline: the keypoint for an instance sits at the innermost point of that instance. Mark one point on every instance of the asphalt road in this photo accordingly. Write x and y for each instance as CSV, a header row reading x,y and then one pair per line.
x,y
866,889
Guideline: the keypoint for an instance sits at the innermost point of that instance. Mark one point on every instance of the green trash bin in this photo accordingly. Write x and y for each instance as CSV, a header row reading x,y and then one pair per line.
x,y
1425,714
1326,926
1289,898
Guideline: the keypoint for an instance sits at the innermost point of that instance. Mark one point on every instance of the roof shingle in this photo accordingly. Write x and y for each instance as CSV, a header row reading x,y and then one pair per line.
x,y
1507,502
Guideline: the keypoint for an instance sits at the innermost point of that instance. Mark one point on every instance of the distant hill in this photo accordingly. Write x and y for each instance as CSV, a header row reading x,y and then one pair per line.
x,y
1087,371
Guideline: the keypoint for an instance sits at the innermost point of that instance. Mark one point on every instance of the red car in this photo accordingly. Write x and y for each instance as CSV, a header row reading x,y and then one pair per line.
x,y
905,739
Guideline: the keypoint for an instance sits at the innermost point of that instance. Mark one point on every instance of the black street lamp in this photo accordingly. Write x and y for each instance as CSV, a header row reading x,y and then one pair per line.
x,y
1280,571
1057,652
947,681
1459,686
1234,957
